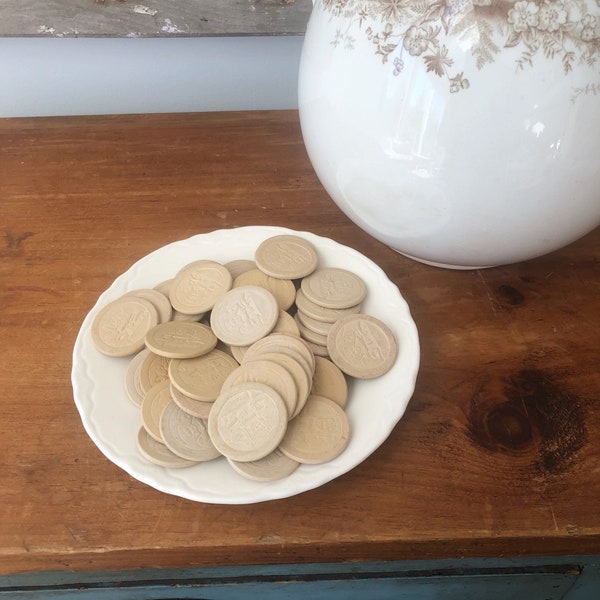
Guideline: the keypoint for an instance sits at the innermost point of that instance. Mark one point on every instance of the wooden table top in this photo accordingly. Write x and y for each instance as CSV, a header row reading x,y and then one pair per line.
x,y
497,454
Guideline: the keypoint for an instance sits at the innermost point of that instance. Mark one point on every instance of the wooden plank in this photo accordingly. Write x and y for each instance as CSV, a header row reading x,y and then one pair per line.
x,y
152,18
498,453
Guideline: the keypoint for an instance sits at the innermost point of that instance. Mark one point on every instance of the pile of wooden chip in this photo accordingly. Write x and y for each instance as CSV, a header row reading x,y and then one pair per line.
x,y
246,360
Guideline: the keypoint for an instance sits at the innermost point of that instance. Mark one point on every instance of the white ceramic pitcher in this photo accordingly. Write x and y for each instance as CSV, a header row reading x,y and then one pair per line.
x,y
462,133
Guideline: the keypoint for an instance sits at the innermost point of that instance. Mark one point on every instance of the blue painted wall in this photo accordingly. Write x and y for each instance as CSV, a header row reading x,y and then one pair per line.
x,y
75,76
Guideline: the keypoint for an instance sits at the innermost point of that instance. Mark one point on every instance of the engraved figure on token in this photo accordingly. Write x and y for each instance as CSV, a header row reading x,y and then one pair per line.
x,y
299,256
247,314
200,283
181,336
188,433
366,345
329,286
123,326
249,423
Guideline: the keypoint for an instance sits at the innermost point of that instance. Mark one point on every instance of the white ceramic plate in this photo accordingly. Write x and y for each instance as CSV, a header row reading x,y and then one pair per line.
x,y
374,407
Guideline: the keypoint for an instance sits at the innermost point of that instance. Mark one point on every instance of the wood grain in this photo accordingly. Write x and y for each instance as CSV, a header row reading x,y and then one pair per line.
x,y
152,18
498,453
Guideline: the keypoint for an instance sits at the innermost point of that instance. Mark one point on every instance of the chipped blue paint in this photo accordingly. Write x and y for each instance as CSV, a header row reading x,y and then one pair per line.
x,y
558,578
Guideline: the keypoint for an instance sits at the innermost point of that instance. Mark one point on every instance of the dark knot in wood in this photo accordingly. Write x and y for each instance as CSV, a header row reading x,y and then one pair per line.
x,y
508,296
529,412
509,426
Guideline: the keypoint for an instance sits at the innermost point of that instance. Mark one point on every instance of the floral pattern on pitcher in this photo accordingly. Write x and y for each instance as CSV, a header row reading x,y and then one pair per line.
x,y
539,29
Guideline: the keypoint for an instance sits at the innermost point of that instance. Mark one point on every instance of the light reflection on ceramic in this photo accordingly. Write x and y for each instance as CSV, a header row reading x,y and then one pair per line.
x,y
447,153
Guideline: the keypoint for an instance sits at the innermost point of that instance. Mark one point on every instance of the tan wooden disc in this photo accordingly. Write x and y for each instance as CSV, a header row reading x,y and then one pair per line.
x,y
158,454
329,382
177,316
270,373
193,407
160,302
196,264
362,346
247,422
286,257
238,352
300,374
270,468
198,286
180,339
283,343
318,434
283,289
185,435
320,313
164,286
320,327
154,369
285,324
244,315
334,288
237,267
153,405
309,335
119,329
318,349
201,378
132,378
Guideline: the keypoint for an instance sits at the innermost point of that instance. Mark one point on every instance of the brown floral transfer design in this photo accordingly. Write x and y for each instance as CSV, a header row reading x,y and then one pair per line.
x,y
552,29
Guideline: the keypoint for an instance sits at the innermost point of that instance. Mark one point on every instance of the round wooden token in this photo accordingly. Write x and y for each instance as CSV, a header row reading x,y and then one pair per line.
x,y
320,327
320,313
164,286
270,373
158,300
285,344
185,435
283,289
237,267
193,407
154,369
119,329
286,257
318,434
238,352
180,339
198,286
244,315
329,382
153,405
362,346
334,288
177,316
309,335
132,378
270,468
196,264
247,422
201,378
285,324
300,374
158,454
318,349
